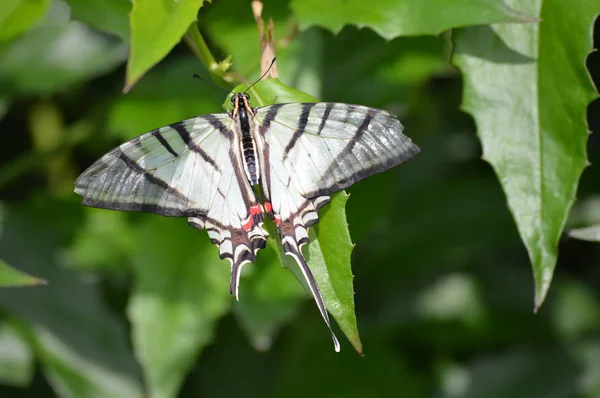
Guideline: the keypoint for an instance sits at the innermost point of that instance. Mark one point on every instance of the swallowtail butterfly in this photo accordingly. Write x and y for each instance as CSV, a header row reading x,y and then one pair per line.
x,y
204,169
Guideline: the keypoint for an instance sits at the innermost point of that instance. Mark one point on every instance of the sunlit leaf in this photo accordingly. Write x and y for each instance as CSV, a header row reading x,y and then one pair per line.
x,y
533,131
156,27
329,256
393,18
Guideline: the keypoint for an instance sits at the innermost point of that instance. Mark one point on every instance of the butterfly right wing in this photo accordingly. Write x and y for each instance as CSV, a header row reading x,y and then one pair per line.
x,y
186,169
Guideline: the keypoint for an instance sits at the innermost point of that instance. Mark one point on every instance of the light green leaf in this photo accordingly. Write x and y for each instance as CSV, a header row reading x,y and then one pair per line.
x,y
591,233
393,18
56,54
11,277
181,291
156,27
17,16
81,346
16,358
529,100
111,16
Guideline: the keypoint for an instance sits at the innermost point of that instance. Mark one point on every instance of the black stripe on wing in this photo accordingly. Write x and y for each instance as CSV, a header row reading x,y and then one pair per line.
x,y
325,117
302,122
156,133
88,186
187,139
379,162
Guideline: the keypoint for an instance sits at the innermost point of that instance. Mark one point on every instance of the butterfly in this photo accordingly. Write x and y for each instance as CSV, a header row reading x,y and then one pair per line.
x,y
205,168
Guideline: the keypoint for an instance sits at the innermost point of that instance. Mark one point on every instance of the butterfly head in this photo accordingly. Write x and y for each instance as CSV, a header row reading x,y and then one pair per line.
x,y
240,101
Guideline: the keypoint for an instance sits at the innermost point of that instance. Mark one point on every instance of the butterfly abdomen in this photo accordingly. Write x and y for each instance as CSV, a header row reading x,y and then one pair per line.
x,y
250,163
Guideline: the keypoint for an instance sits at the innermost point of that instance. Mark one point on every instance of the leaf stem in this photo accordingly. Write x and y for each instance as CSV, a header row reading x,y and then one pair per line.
x,y
196,42
201,49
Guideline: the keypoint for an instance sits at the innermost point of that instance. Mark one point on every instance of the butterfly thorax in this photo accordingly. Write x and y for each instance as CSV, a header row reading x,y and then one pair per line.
x,y
243,116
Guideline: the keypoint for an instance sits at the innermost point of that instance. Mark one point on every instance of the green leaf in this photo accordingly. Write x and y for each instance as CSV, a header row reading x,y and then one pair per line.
x,y
17,16
81,346
111,16
11,277
181,291
329,256
591,233
116,233
529,105
156,27
56,54
517,373
17,364
393,18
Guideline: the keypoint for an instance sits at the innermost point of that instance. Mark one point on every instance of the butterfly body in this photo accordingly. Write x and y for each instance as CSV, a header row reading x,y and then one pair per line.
x,y
204,169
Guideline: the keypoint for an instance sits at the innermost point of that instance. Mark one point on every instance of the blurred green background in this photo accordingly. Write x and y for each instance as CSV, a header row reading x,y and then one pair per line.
x,y
444,291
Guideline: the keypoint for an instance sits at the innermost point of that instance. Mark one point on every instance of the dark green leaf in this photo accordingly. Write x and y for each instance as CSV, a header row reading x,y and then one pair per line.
x,y
528,127
393,18
56,54
110,16
269,297
181,291
168,94
114,231
82,347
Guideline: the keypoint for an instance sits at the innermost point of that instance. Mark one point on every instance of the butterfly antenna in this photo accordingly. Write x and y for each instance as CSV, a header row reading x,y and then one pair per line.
x,y
212,84
264,74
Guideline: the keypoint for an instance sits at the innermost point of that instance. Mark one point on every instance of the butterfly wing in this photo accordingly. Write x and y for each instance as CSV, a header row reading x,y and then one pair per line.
x,y
187,169
313,150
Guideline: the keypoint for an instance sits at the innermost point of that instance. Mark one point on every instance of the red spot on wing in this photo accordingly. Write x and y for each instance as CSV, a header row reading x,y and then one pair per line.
x,y
256,210
277,220
248,225
268,207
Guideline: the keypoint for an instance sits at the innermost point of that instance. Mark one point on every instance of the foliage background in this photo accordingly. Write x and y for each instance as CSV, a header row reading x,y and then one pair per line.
x,y
138,304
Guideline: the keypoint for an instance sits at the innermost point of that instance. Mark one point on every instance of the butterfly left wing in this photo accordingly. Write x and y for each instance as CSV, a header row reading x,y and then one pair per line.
x,y
187,169
313,150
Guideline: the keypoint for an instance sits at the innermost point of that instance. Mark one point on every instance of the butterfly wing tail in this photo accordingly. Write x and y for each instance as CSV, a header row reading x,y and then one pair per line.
x,y
294,234
237,246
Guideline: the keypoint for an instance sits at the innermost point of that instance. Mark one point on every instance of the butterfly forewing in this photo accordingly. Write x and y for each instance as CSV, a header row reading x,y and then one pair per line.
x,y
187,169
